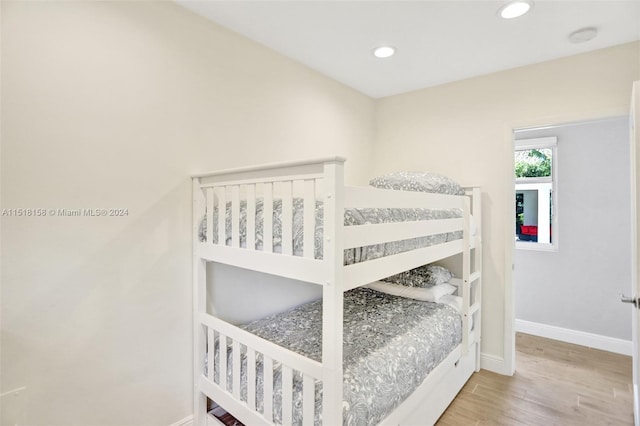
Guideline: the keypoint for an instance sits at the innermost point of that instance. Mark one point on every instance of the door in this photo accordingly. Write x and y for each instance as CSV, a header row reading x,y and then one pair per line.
x,y
635,229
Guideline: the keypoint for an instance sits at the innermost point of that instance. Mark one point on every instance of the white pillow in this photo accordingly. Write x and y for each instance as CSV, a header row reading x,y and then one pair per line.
x,y
427,294
456,302
453,301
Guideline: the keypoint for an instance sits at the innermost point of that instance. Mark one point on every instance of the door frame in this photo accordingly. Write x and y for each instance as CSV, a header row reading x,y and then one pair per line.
x,y
634,181
509,345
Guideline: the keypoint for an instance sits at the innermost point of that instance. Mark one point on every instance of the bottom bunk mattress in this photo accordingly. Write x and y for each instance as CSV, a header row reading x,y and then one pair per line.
x,y
391,344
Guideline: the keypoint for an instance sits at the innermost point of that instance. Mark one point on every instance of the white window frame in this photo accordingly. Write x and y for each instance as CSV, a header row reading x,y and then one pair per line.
x,y
550,142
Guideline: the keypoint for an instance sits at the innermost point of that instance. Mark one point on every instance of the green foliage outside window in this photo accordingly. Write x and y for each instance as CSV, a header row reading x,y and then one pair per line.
x,y
533,163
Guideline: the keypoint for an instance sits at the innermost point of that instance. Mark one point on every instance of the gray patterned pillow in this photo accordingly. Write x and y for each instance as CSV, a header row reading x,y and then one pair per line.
x,y
422,276
419,182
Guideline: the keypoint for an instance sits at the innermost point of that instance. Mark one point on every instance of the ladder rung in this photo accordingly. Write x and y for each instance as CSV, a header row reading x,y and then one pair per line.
x,y
474,308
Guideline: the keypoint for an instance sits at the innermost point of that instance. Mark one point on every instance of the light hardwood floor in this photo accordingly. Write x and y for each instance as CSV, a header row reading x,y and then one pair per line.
x,y
555,383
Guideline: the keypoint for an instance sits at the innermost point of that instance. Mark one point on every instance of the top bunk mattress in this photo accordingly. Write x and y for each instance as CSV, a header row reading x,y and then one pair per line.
x,y
352,217
390,345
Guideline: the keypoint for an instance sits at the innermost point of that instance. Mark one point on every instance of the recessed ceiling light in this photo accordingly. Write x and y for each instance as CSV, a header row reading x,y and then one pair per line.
x,y
514,9
384,51
583,34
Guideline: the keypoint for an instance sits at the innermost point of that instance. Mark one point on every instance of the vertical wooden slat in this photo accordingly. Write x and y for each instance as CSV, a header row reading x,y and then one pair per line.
x,y
267,217
287,395
251,378
235,216
251,217
236,370
308,400
210,353
222,214
309,218
223,361
267,393
287,218
210,207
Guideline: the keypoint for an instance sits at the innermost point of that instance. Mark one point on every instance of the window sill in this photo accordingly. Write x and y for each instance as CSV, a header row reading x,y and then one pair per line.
x,y
536,246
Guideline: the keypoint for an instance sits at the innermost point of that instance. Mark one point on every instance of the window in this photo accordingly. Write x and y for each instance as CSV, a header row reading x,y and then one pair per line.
x,y
535,202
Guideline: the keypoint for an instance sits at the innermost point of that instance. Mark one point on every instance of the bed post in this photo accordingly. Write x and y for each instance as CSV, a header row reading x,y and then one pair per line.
x,y
199,306
332,302
466,274
477,265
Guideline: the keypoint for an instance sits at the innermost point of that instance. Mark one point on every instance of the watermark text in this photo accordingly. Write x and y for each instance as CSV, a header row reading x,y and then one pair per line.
x,y
62,212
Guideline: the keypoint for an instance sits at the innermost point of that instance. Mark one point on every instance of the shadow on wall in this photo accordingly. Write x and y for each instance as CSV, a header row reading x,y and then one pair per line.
x,y
106,343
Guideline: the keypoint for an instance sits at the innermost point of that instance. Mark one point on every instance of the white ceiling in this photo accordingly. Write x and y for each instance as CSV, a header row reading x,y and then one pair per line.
x,y
437,41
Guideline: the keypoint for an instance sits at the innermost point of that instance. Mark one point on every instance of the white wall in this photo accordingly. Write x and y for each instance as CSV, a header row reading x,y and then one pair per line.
x,y
463,129
578,287
114,105
530,207
269,293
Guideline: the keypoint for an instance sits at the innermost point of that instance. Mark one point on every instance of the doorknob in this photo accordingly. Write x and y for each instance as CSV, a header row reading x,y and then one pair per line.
x,y
625,299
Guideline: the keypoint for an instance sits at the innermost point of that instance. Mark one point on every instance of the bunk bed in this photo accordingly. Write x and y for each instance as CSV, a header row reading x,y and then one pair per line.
x,y
313,376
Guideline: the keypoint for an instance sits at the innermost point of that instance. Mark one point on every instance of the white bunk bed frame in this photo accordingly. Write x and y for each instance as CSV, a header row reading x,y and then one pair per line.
x,y
322,179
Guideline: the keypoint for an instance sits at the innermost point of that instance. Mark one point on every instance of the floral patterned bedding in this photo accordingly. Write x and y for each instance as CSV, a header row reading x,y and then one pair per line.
x,y
351,217
390,345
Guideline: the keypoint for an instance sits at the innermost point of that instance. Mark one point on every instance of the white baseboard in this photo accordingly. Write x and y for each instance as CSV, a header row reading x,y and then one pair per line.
x,y
187,421
494,363
596,341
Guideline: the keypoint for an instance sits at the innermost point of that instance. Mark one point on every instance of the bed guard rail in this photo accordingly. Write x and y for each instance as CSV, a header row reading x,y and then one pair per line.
x,y
221,196
258,372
